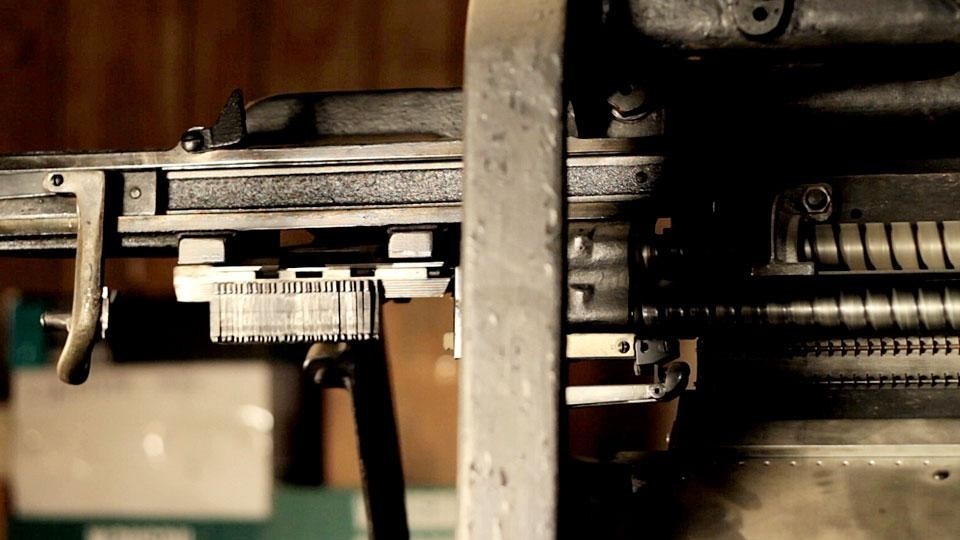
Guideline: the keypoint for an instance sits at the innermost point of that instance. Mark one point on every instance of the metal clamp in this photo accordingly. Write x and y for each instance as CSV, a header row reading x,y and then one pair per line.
x,y
651,352
89,188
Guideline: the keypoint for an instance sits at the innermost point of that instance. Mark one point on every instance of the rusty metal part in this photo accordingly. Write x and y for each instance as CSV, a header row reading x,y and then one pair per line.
x,y
513,266
598,273
939,96
715,24
757,18
89,189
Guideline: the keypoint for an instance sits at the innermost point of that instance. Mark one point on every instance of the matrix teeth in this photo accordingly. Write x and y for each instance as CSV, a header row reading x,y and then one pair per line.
x,y
892,379
295,311
935,345
915,361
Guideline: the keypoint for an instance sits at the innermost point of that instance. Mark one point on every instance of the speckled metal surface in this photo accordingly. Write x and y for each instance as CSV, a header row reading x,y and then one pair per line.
x,y
632,178
513,271
300,117
719,24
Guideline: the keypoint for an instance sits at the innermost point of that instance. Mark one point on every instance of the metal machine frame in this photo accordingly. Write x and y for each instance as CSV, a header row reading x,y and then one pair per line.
x,y
791,126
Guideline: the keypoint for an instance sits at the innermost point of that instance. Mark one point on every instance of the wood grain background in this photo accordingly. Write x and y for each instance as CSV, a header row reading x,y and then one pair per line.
x,y
134,74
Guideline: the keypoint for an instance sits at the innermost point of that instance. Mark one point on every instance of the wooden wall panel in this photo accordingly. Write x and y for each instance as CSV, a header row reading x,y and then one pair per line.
x,y
432,36
114,88
133,74
319,45
31,75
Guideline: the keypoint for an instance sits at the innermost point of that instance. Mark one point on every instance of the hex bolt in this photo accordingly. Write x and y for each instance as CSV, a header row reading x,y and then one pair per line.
x,y
816,199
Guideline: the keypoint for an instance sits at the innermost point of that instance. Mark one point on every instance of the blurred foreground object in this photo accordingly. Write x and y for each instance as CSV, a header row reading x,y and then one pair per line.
x,y
180,441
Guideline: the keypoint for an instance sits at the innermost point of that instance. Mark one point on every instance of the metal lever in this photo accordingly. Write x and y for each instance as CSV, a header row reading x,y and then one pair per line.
x,y
674,383
670,381
89,188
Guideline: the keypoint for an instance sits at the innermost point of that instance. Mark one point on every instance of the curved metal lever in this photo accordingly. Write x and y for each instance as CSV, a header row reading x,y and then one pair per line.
x,y
675,380
89,188
670,386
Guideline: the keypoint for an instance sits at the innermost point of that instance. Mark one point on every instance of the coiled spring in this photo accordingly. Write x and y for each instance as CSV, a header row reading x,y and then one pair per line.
x,y
922,245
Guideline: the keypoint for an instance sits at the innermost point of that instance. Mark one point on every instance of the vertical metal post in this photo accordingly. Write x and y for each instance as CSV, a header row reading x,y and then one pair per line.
x,y
513,270
361,368
378,443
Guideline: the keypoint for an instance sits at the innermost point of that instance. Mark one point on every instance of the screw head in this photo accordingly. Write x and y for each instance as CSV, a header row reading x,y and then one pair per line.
x,y
57,180
192,141
135,193
623,346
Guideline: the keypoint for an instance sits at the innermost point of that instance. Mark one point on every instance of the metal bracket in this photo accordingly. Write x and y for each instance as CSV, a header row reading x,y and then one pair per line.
x,y
760,18
600,346
788,211
654,351
89,188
